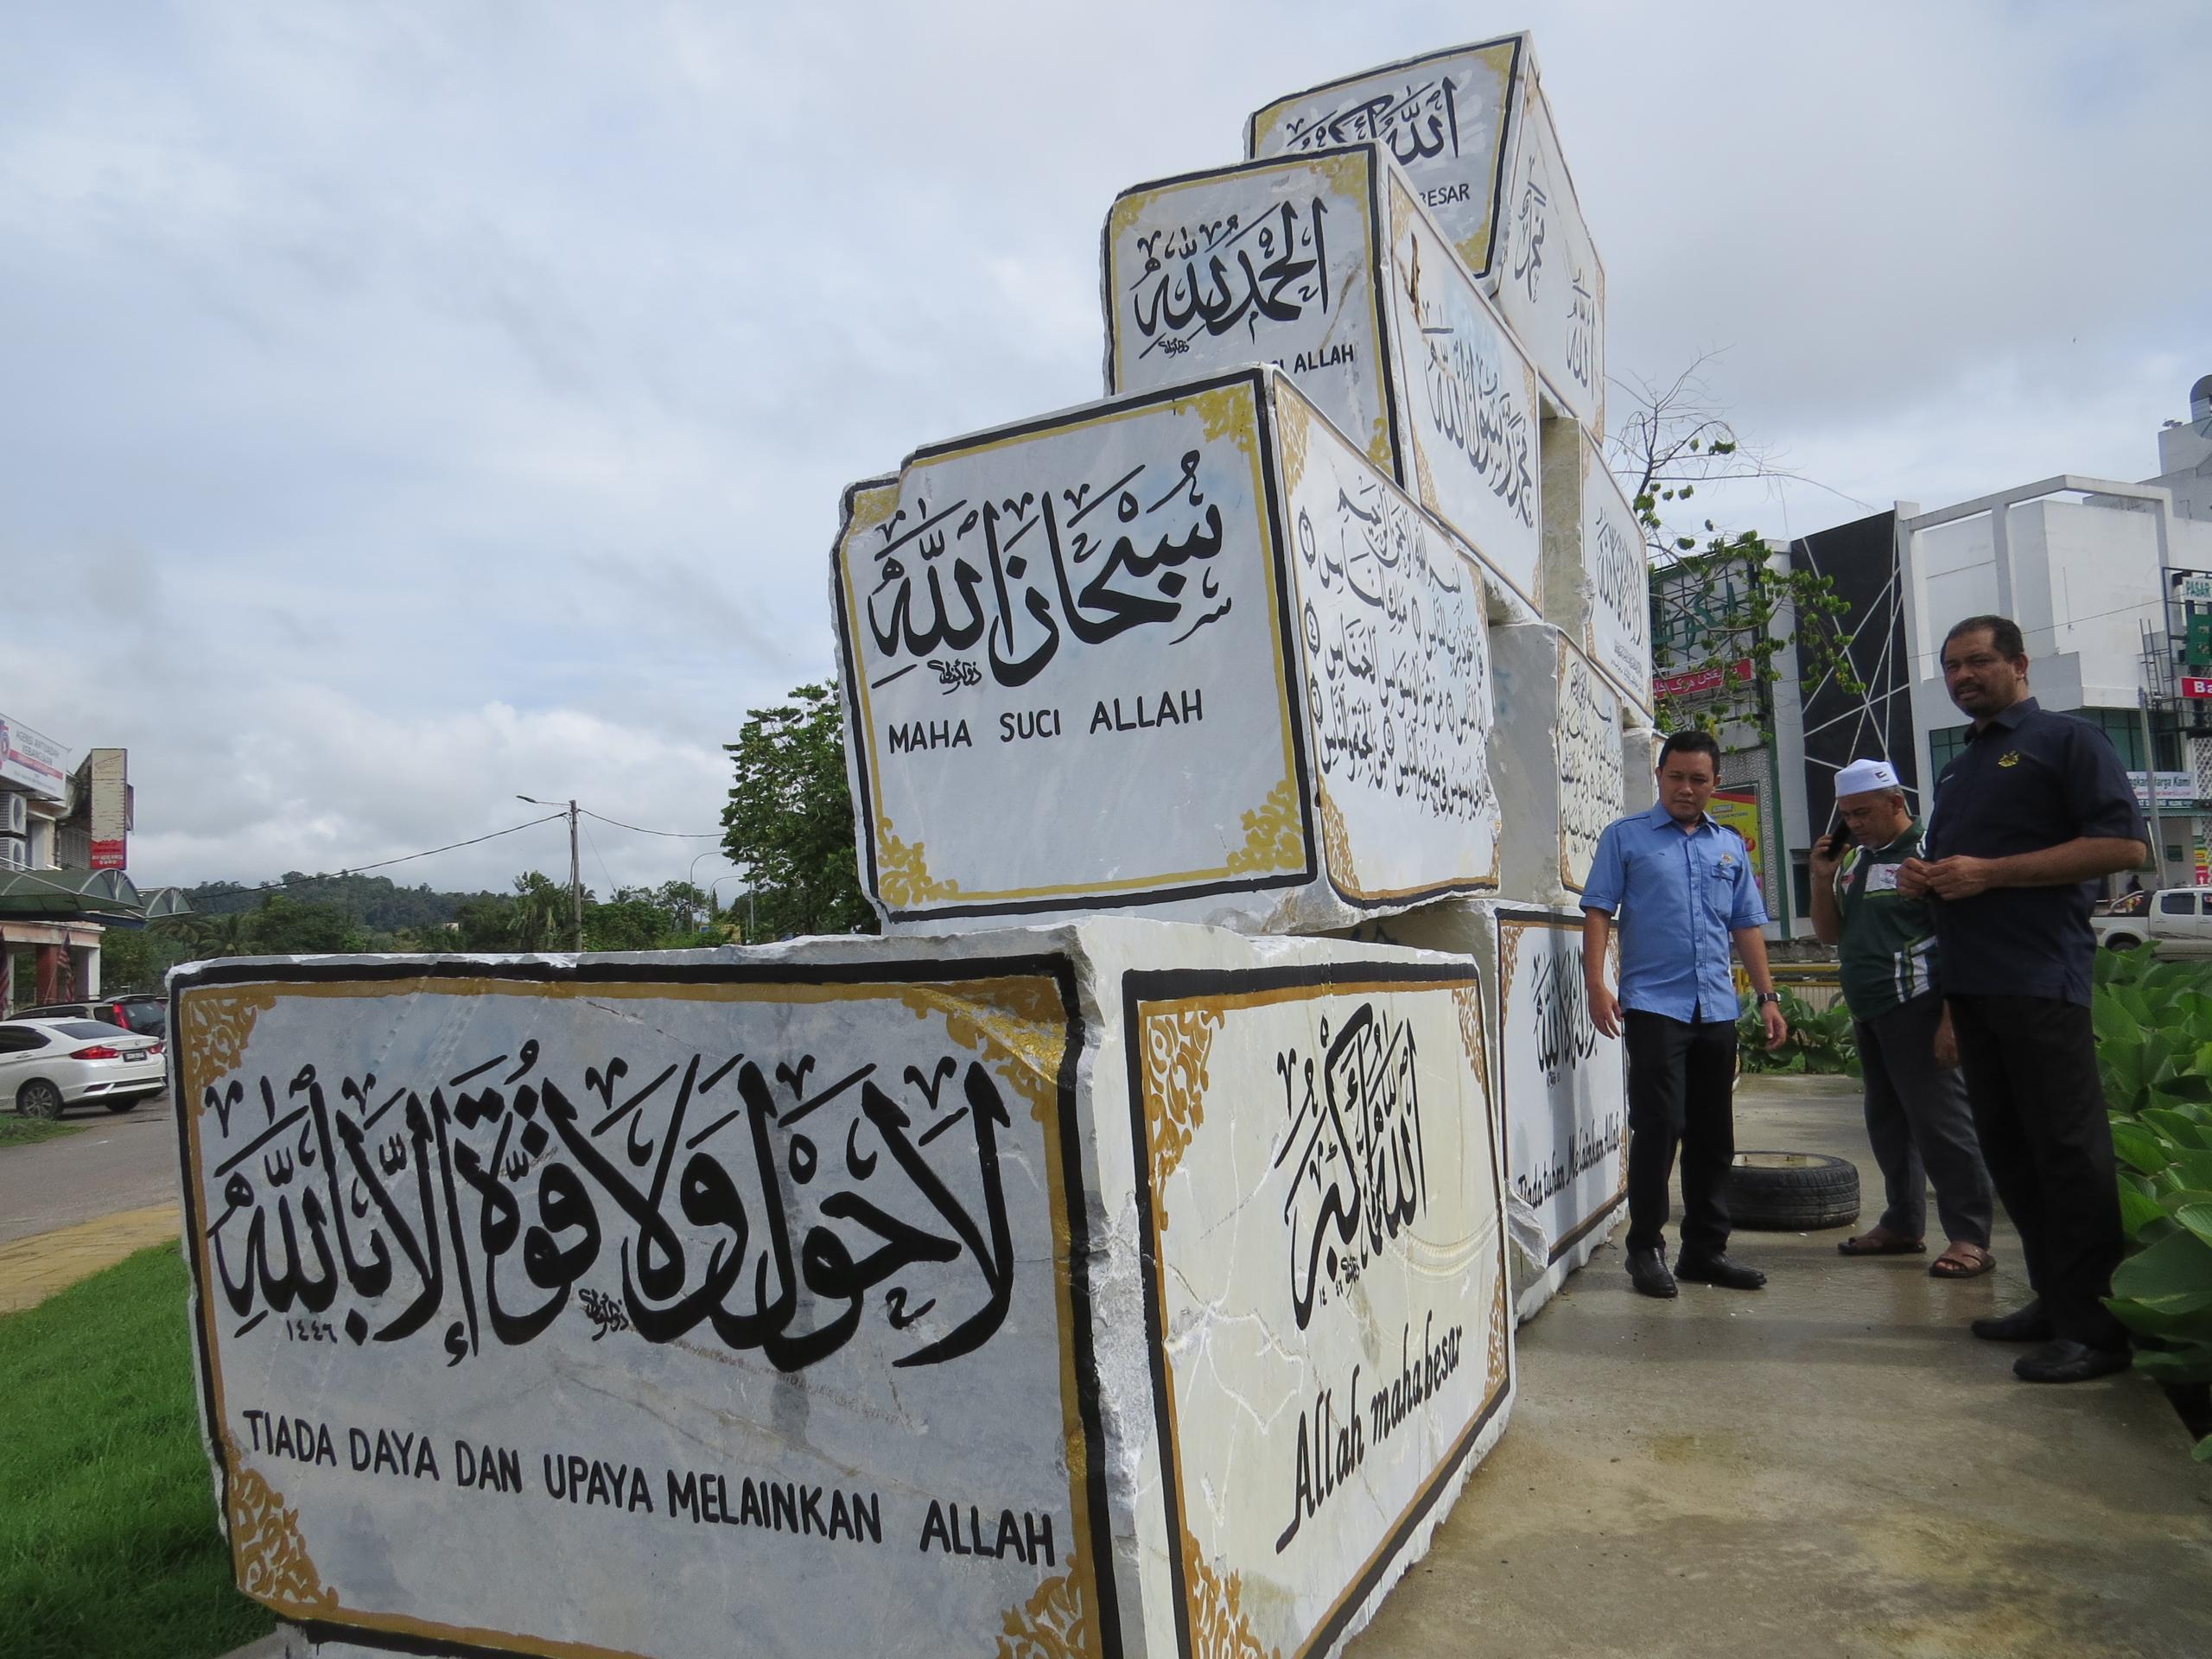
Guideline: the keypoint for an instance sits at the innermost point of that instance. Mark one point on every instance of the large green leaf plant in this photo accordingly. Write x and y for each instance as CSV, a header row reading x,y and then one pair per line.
x,y
2154,1049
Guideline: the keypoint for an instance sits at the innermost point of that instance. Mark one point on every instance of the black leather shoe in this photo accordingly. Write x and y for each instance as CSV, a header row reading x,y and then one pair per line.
x,y
1647,1271
1717,1270
2064,1361
2028,1323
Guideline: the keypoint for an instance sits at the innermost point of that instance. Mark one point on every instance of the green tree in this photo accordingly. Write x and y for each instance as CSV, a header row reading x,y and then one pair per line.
x,y
285,926
790,818
136,958
543,918
1718,599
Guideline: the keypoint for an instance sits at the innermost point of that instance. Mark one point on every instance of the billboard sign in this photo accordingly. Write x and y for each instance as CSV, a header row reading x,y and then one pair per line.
x,y
1700,679
1738,810
30,761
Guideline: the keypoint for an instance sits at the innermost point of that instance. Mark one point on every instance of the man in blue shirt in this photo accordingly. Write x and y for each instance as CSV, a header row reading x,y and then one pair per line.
x,y
2034,808
1682,885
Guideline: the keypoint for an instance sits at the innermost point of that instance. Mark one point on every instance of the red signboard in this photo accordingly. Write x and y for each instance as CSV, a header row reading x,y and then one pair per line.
x,y
108,855
2192,688
1703,679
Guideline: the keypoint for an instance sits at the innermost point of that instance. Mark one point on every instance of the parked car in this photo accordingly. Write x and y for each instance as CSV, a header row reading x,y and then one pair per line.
x,y
47,1065
2173,921
147,1015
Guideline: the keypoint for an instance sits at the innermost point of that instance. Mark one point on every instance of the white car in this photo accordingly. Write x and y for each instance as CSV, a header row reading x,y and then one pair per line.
x,y
46,1064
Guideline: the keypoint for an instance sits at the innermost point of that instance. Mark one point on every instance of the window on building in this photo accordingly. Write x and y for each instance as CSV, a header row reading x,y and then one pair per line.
x,y
1944,745
2125,728
1800,881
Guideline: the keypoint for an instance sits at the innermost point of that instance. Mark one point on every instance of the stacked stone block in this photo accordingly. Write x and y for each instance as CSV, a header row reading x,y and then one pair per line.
x,y
1104,1262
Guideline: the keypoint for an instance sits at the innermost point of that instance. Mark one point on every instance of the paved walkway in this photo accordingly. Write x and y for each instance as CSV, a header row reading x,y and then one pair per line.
x,y
33,1269
1829,1468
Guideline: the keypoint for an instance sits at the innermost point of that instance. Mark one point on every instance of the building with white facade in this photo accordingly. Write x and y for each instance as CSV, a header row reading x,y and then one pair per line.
x,y
2099,574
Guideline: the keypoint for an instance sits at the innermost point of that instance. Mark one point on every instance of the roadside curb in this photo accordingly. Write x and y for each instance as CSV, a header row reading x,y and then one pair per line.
x,y
33,1268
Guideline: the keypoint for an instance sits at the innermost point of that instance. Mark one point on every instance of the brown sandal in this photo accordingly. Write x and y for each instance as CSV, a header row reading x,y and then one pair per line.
x,y
1875,1241
1961,1262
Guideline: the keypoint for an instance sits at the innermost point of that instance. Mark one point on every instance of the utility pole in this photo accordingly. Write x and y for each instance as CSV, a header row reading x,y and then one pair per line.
x,y
575,879
576,867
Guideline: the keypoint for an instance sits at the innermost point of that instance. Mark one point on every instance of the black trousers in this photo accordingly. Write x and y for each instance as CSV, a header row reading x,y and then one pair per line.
x,y
2030,1065
1681,1081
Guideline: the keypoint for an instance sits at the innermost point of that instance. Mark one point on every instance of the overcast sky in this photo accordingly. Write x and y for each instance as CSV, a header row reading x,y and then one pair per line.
x,y
415,405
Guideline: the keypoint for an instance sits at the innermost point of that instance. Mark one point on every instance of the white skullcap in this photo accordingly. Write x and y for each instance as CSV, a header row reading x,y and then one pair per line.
x,y
1861,776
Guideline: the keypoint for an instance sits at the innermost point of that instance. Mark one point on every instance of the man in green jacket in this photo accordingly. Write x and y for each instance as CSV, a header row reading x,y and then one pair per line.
x,y
1917,1116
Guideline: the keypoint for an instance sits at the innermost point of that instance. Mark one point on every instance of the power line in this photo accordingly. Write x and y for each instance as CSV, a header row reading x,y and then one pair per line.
x,y
669,835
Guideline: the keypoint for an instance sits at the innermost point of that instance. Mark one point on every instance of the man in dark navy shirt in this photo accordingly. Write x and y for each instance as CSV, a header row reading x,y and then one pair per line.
x,y
2025,817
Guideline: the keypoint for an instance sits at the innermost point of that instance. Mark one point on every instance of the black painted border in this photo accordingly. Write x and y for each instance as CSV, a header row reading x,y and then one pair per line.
x,y
1183,984
1059,968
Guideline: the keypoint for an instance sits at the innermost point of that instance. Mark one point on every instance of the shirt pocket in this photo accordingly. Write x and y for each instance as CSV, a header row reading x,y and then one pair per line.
x,y
1718,888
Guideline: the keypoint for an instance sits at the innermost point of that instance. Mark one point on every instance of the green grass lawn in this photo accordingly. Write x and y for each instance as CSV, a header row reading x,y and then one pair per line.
x,y
28,1131
108,1542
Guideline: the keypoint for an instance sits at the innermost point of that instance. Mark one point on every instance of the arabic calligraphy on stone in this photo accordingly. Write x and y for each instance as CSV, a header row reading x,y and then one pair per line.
x,y
1619,573
1477,407
1419,124
1590,761
1209,278
744,1195
1351,1157
1396,667
1023,572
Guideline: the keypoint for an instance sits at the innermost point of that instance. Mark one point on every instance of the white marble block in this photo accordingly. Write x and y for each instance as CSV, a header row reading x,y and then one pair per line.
x,y
1597,573
1326,266
1185,653
1474,132
1640,768
1565,1086
1559,759
1110,1289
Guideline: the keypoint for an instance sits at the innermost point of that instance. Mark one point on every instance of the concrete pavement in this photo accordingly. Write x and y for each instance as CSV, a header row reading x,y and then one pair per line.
x,y
123,1160
1831,1468
70,1207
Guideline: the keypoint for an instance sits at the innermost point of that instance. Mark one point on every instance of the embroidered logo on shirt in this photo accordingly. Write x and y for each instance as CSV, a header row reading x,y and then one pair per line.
x,y
2009,758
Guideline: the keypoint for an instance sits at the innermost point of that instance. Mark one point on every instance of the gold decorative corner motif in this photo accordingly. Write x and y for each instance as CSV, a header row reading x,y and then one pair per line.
x,y
1175,1049
1294,425
1021,1028
902,873
1225,412
1508,955
1054,1623
272,1561
1427,482
1348,172
1336,843
1220,1628
1474,253
1378,448
1468,1001
1273,838
1123,215
216,1027
871,508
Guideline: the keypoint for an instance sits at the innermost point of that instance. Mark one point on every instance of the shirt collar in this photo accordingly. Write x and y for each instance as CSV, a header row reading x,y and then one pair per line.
x,y
2010,719
1660,818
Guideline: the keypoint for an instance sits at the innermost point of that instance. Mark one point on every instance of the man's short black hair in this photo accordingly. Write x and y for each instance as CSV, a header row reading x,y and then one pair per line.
x,y
2003,635
1691,743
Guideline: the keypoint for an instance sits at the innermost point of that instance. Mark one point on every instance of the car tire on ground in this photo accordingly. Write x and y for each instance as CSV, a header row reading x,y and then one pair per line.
x,y
124,1104
1791,1191
2121,941
39,1098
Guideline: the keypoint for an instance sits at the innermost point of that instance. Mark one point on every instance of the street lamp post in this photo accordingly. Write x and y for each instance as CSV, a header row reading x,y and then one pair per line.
x,y
575,866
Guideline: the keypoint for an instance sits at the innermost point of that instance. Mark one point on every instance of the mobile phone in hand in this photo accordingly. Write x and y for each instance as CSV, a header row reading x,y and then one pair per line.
x,y
1839,838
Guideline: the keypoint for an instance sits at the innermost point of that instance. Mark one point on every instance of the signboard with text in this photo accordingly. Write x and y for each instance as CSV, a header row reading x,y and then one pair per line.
x,y
30,761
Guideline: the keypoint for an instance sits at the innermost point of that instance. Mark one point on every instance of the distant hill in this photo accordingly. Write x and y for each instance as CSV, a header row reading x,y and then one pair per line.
x,y
374,901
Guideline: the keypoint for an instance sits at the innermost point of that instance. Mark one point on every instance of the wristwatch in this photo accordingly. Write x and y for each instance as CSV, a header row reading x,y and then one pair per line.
x,y
1770,996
